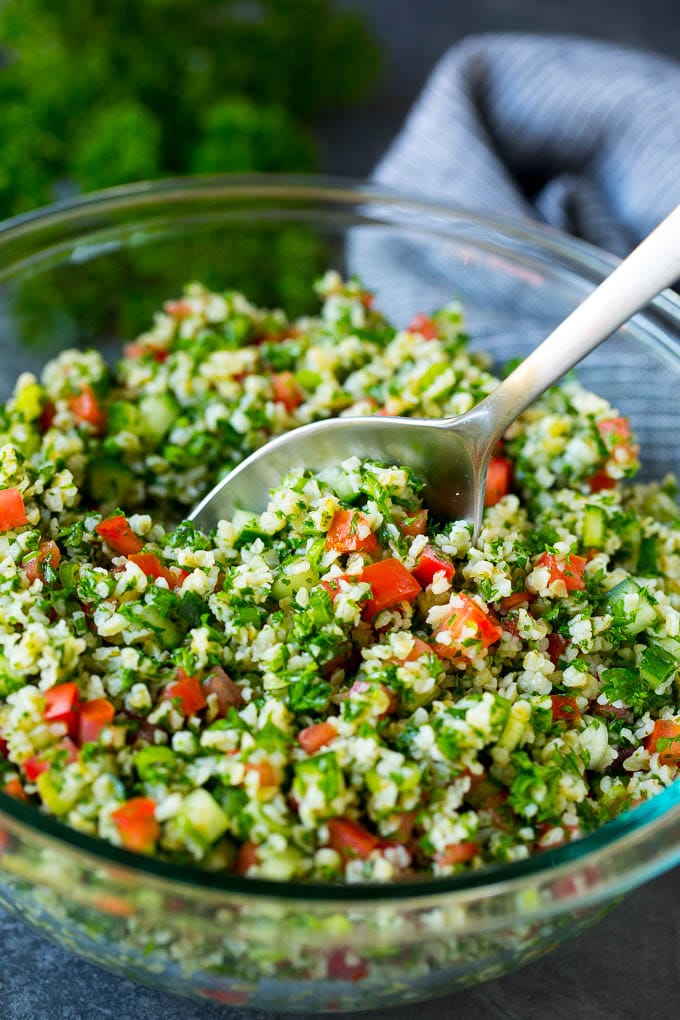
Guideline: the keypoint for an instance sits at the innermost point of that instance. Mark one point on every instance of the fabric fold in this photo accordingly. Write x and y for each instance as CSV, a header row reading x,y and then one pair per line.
x,y
583,135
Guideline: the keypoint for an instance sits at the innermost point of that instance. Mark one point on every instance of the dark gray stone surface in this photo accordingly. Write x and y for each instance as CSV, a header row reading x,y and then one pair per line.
x,y
628,966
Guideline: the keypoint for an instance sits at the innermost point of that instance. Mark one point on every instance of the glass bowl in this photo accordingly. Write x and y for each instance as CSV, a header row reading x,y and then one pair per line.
x,y
91,272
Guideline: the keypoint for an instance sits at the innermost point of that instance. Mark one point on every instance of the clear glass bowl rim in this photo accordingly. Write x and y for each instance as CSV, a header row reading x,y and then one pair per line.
x,y
644,824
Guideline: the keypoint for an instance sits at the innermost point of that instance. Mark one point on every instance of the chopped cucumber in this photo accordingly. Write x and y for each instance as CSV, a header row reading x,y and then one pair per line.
x,y
308,380
341,482
631,536
282,866
431,373
647,562
247,528
595,522
109,481
56,796
158,413
202,814
155,763
122,416
671,645
656,665
148,616
69,573
296,574
633,621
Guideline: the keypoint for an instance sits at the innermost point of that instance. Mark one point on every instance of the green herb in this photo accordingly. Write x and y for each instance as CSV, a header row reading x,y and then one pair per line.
x,y
308,692
631,687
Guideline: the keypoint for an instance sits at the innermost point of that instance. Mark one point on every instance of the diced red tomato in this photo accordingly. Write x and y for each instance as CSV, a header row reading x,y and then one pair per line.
x,y
137,825
391,583
414,523
286,390
150,565
457,853
557,645
665,740
94,716
72,753
139,350
498,480
189,693
419,648
343,534
119,535
134,350
313,737
618,437
4,748
342,967
424,325
564,568
34,767
86,408
430,562
178,308
246,858
268,774
349,839
61,705
13,788
48,552
12,509
600,482
565,707
615,430
518,598
471,630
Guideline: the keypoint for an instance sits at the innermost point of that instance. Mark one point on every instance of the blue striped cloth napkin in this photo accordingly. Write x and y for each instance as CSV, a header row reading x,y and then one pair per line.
x,y
581,134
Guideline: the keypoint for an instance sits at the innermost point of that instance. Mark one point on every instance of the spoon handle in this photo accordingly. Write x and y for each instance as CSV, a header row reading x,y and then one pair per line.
x,y
653,265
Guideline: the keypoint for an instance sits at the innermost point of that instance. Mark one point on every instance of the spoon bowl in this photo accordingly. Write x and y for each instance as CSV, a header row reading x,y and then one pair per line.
x,y
439,454
451,455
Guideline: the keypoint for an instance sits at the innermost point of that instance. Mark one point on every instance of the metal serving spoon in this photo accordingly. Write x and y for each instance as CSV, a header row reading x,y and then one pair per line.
x,y
451,455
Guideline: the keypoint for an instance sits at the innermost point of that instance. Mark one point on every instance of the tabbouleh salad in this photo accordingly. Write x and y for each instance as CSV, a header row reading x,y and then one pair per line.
x,y
341,687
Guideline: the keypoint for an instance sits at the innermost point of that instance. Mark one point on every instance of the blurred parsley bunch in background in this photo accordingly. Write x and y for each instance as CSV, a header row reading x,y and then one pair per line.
x,y
98,93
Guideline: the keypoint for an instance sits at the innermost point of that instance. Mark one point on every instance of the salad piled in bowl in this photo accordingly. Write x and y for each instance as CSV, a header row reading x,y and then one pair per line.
x,y
341,688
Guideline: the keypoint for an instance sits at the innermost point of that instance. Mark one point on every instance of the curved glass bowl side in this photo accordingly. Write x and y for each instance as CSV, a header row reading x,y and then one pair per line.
x,y
293,945
309,954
